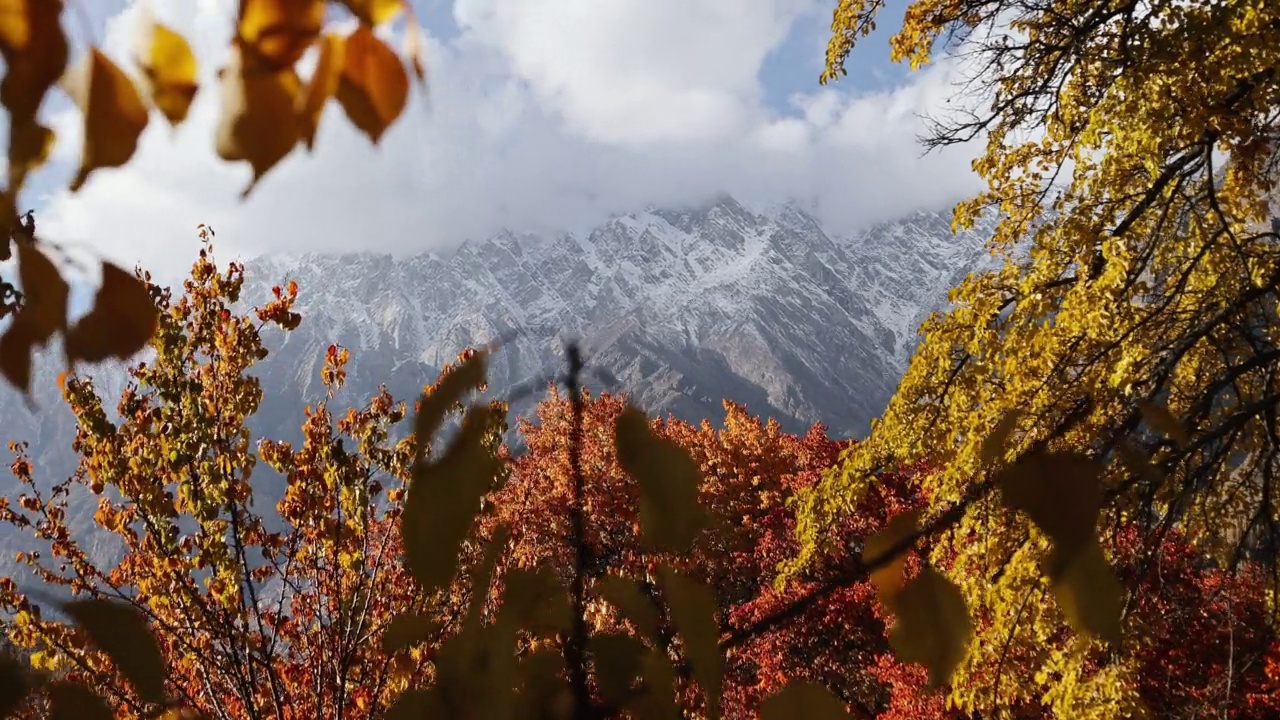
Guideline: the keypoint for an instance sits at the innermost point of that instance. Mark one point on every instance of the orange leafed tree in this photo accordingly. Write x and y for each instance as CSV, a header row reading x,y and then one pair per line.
x,y
750,468
278,612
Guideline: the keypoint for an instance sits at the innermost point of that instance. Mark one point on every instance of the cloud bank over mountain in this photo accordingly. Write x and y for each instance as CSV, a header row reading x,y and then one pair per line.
x,y
542,116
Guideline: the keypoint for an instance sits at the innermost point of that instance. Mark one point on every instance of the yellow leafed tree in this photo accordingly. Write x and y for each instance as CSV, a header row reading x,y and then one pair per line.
x,y
1130,154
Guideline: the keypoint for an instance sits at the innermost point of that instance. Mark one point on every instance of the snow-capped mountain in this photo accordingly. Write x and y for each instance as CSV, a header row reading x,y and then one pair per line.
x,y
683,307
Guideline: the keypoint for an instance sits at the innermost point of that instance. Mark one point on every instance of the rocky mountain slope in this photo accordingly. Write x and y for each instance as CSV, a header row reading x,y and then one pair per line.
x,y
683,307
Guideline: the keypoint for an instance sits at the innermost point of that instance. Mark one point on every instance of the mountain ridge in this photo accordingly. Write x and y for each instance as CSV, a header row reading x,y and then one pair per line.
x,y
684,307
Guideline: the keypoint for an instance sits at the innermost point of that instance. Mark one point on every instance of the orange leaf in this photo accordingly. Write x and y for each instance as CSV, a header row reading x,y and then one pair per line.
x,y
121,323
259,123
323,84
35,53
374,87
114,115
43,313
277,32
29,146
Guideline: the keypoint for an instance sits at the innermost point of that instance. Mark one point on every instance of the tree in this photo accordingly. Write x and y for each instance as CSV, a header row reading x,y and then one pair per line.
x,y
1130,155
267,111
750,470
282,612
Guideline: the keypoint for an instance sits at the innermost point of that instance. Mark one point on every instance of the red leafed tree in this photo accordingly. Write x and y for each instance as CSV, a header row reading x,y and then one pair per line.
x,y
749,468
1203,624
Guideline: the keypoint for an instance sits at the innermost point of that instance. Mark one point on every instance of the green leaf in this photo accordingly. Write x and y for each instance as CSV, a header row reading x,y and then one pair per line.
x,y
994,446
73,701
1088,591
122,633
1164,422
803,700
418,704
888,578
15,684
618,660
449,391
483,576
933,626
538,599
693,610
406,630
544,686
670,515
1060,491
658,701
442,501
625,594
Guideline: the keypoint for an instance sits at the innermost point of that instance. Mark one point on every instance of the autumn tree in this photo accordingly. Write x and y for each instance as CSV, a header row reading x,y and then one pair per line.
x,y
267,108
1125,354
750,470
282,612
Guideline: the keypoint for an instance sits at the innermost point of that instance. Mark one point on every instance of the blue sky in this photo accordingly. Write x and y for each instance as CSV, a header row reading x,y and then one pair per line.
x,y
542,116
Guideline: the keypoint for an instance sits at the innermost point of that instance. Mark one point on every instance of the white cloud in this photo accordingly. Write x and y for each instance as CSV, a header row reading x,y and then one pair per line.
x,y
542,116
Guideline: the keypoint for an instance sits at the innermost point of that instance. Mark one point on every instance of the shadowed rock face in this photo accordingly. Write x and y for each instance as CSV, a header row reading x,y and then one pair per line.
x,y
683,307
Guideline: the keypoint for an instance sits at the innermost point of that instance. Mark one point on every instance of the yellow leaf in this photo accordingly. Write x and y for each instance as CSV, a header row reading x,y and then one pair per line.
x,y
374,88
321,87
375,12
259,123
114,115
888,578
693,610
442,500
73,701
624,593
121,323
35,54
406,630
618,660
933,625
670,514
29,146
123,634
43,313
15,26
803,700
1061,493
449,391
169,67
277,32
1163,421
1088,591
994,446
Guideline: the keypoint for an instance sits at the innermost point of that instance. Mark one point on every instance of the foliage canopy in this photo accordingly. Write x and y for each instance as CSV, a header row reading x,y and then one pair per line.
x,y
1131,332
